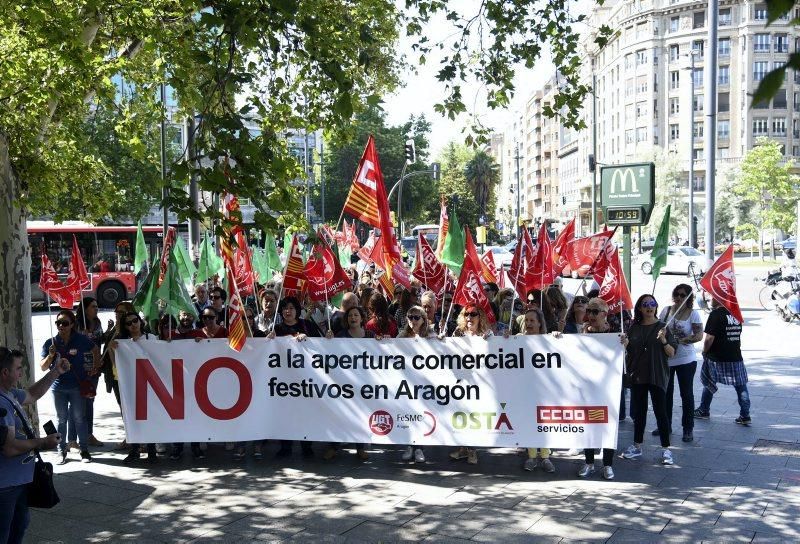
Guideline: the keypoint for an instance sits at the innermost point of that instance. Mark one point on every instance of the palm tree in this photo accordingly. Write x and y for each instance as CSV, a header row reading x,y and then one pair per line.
x,y
482,174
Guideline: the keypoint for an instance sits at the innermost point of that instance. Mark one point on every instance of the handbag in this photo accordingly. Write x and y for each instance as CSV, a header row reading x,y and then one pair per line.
x,y
41,491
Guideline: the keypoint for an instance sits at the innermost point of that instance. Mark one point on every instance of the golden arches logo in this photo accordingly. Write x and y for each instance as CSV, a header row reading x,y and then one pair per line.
x,y
622,174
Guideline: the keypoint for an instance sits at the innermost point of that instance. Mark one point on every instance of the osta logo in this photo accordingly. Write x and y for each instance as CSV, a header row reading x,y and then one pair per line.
x,y
381,422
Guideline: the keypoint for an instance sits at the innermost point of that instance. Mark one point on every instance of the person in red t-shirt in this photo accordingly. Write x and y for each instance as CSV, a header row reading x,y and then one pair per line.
x,y
210,327
381,323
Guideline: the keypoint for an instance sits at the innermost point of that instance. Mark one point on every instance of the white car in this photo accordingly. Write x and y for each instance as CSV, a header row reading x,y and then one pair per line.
x,y
680,259
502,256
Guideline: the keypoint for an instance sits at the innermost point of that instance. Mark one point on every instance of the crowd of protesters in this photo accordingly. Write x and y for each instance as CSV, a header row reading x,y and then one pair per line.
x,y
660,347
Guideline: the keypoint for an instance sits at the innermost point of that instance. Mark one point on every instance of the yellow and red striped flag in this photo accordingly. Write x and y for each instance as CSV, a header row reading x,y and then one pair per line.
x,y
444,224
236,332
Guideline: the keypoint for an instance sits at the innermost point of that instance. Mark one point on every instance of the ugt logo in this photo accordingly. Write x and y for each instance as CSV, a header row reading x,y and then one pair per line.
x,y
488,421
381,422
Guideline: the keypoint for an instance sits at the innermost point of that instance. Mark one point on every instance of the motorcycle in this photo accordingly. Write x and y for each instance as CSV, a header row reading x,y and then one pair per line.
x,y
788,304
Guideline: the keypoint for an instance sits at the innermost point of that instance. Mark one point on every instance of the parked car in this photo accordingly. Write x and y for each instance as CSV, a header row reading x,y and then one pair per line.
x,y
679,260
502,256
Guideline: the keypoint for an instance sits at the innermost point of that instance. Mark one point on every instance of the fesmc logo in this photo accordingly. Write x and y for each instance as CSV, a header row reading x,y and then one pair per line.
x,y
382,423
483,421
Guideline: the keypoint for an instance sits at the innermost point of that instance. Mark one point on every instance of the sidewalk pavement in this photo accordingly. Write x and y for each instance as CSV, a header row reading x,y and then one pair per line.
x,y
731,484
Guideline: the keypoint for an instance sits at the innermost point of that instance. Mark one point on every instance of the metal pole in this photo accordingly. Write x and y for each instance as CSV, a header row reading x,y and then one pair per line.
x,y
191,155
626,249
711,125
322,176
691,238
516,148
164,190
308,179
594,151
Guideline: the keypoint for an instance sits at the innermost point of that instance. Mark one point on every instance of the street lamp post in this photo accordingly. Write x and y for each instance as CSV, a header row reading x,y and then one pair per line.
x,y
692,233
517,157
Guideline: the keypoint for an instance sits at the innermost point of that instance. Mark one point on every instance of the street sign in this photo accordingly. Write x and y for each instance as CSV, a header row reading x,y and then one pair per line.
x,y
627,193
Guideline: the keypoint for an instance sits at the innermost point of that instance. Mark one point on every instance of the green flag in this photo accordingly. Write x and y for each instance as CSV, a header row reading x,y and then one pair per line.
x,y
659,253
272,257
260,266
141,257
173,292
186,267
145,300
210,263
453,250
344,255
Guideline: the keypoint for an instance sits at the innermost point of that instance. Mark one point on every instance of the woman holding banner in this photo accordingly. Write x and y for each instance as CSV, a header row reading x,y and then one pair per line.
x,y
417,326
687,327
597,322
471,322
381,324
649,344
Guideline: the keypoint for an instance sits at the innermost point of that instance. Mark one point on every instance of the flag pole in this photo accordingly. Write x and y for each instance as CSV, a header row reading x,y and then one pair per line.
x,y
671,319
50,318
283,281
597,258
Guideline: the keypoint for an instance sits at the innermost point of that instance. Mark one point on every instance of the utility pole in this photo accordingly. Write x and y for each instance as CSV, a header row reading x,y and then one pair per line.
x,y
164,190
191,155
322,176
692,234
517,157
711,125
305,169
594,152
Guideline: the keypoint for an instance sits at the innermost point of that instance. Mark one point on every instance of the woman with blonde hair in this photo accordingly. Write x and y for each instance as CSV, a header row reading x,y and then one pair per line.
x,y
417,326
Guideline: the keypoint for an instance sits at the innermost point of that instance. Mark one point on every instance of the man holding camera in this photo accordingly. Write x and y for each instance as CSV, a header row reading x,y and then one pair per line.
x,y
16,455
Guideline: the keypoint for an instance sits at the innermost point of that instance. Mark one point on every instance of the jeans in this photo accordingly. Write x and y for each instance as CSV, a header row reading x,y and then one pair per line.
x,y
639,393
685,374
14,515
72,433
742,396
64,400
608,456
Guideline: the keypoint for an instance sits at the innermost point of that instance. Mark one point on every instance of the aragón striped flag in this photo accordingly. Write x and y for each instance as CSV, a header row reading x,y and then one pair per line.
x,y
236,331
720,283
293,278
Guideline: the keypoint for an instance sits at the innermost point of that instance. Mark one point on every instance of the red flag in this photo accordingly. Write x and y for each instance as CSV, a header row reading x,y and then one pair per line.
x,y
487,259
236,327
239,259
365,252
78,278
471,252
444,224
470,291
519,264
565,237
350,236
324,275
427,267
52,286
165,251
581,253
614,288
293,278
720,283
388,281
540,274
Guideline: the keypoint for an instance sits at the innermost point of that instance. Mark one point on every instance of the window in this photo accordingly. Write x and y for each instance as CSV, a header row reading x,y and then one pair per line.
x,y
641,134
723,102
796,150
629,136
628,61
778,64
674,24
760,126
697,103
675,53
641,57
760,69
641,110
763,105
724,49
724,75
699,19
699,182
641,84
674,106
781,43
725,17
629,112
723,130
697,78
674,80
674,132
779,126
697,129
760,12
699,47
761,43
796,102
779,100
629,87
697,154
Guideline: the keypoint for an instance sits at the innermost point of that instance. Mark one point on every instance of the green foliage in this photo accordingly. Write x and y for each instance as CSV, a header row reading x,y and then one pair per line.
x,y
767,183
453,184
774,79
342,156
671,187
482,174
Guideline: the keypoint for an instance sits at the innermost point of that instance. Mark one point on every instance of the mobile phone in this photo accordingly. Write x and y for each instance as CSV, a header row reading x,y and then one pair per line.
x,y
49,428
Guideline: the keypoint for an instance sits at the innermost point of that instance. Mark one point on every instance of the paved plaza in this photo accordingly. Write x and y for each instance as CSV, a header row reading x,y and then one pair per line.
x,y
731,484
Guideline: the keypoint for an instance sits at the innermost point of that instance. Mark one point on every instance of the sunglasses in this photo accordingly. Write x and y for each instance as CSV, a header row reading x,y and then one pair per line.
x,y
209,317
471,314
581,300
649,304
132,322
680,295
63,323
414,317
215,297
593,311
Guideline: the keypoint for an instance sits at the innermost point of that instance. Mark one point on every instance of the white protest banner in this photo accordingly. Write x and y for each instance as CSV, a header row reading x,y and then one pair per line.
x,y
524,391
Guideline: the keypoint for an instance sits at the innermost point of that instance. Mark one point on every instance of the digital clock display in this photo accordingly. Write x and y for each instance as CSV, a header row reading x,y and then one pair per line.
x,y
625,216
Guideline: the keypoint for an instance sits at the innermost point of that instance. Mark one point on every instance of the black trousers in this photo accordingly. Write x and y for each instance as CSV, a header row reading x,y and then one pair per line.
x,y
685,374
658,397
608,456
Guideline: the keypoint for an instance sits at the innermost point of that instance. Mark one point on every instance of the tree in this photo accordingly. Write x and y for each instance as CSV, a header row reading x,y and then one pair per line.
x,y
767,182
671,186
453,184
482,174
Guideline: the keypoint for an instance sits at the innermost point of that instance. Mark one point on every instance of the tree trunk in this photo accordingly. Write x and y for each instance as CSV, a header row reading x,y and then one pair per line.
x,y
15,271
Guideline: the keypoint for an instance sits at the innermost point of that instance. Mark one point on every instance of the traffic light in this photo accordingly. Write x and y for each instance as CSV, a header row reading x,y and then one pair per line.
x,y
411,155
592,164
564,200
436,170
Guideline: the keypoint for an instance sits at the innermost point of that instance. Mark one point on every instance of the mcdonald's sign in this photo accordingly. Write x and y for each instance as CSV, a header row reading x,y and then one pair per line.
x,y
628,187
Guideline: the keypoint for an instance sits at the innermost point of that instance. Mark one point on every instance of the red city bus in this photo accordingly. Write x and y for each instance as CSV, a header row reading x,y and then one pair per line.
x,y
108,253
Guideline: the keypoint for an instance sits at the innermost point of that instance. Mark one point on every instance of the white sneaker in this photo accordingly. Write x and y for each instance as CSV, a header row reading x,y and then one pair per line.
x,y
530,464
666,457
572,452
548,466
586,470
419,456
408,454
608,473
632,452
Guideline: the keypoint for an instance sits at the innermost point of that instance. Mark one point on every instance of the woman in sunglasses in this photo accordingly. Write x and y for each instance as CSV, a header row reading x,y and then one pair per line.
x,y
687,328
576,315
471,322
84,362
649,344
211,327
